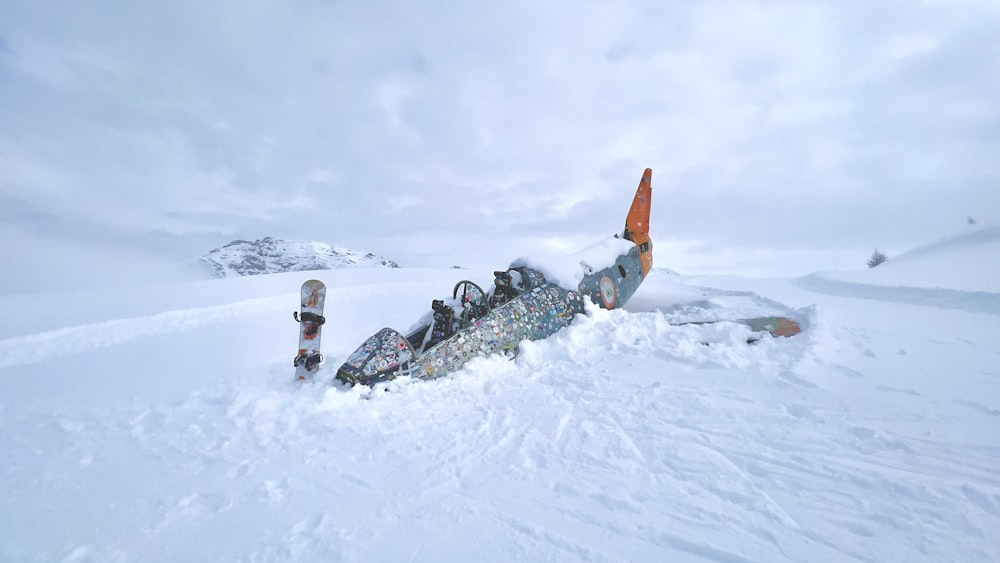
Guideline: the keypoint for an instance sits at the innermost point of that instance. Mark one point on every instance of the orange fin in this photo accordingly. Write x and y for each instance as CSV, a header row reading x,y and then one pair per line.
x,y
637,221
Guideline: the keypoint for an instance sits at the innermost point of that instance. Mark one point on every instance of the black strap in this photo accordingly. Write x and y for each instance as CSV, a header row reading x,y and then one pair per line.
x,y
309,360
308,317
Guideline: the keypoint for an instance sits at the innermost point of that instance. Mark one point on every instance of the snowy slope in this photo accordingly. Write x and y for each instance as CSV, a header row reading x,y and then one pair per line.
x,y
966,262
161,424
271,256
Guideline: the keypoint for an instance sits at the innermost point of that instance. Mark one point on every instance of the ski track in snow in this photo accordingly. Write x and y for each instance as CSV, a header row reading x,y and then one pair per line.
x,y
621,438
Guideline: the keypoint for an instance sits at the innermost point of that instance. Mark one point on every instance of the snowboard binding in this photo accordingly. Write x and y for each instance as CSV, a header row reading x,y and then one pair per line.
x,y
308,317
311,321
309,361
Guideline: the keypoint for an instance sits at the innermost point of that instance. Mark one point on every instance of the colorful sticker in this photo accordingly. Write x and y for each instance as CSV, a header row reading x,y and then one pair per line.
x,y
609,293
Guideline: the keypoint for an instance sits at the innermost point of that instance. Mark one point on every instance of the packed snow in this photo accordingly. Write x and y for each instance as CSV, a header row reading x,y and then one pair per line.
x,y
162,424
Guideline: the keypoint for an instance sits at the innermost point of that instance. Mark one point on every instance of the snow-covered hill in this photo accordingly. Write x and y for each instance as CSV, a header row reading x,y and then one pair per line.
x,y
270,256
966,261
161,424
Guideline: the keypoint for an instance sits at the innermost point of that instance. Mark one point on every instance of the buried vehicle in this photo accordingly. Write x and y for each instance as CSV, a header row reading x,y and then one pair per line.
x,y
523,304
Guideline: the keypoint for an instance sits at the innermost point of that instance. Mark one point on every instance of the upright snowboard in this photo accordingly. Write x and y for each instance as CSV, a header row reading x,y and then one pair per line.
x,y
311,320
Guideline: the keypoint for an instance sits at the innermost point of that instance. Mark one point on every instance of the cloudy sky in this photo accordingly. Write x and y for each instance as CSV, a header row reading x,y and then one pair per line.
x,y
784,137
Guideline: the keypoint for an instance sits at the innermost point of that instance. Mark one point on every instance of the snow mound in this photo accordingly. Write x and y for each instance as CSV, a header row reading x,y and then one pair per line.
x,y
976,238
967,262
271,256
568,271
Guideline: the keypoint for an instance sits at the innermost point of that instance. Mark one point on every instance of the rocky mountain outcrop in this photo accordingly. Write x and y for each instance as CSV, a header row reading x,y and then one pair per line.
x,y
270,256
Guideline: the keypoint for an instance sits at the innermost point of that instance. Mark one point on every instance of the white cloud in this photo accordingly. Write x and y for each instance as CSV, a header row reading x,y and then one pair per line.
x,y
801,123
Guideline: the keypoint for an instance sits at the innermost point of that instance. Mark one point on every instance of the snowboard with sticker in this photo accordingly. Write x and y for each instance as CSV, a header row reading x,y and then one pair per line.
x,y
310,319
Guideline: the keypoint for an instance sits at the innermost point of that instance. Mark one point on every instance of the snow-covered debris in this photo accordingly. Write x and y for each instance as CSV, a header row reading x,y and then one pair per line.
x,y
272,256
568,270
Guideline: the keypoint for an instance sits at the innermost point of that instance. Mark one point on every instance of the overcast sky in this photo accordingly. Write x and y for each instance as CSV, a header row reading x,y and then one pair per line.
x,y
784,137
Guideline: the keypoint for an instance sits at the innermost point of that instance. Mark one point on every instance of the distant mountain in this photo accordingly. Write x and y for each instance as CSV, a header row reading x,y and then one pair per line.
x,y
271,256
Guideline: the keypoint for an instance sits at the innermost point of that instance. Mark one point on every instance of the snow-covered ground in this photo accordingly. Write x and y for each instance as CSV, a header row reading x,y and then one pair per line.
x,y
161,424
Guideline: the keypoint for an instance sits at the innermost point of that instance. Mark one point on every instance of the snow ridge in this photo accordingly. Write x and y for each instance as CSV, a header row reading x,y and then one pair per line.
x,y
985,235
33,348
271,256
972,301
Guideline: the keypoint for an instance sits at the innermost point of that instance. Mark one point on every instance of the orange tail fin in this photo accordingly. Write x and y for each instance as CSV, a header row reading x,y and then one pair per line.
x,y
637,221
